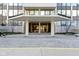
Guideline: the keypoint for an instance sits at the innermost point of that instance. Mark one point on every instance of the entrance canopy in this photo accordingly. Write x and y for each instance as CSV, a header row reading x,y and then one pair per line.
x,y
39,18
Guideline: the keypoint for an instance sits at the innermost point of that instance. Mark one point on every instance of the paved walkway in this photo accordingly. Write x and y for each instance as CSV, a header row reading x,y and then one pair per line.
x,y
41,51
21,41
20,45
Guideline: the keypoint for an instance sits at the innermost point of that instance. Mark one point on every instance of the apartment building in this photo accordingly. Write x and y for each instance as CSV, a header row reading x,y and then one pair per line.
x,y
40,18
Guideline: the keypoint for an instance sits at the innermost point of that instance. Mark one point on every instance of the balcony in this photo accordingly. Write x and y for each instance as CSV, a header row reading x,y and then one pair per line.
x,y
36,11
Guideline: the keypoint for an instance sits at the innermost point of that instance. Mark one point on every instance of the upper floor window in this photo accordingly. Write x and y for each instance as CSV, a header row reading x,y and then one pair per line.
x,y
74,4
41,12
49,12
63,4
31,12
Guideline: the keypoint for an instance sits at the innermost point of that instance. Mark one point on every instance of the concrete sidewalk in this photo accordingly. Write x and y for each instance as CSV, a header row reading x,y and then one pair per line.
x,y
20,45
40,51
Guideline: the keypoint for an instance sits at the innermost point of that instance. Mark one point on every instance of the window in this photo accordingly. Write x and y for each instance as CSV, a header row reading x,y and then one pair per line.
x,y
42,12
74,4
47,12
10,12
68,12
63,12
32,12
36,12
68,4
53,12
63,4
15,12
74,13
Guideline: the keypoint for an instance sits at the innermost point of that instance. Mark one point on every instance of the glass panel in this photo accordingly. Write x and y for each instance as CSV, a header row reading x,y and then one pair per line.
x,y
47,13
59,11
63,4
27,12
4,12
32,12
42,12
15,12
68,12
53,12
10,4
74,13
10,12
78,12
63,12
36,12
68,4
0,11
20,11
34,27
44,27
74,4
15,4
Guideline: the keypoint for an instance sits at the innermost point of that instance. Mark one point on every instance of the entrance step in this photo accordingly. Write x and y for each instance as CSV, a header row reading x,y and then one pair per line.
x,y
40,35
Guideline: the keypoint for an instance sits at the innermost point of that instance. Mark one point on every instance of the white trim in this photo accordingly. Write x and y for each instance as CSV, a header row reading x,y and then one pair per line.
x,y
7,14
52,28
26,28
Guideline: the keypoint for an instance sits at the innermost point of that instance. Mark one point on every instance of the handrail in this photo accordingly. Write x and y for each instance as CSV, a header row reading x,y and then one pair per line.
x,y
69,24
15,15
64,15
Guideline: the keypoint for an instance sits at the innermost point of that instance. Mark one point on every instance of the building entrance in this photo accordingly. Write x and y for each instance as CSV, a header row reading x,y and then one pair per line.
x,y
39,27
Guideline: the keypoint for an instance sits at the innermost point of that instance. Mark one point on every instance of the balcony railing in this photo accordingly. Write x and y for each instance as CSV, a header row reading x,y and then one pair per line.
x,y
64,15
16,15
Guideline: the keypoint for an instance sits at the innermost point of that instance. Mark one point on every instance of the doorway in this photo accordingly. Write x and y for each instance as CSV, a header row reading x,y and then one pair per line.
x,y
39,27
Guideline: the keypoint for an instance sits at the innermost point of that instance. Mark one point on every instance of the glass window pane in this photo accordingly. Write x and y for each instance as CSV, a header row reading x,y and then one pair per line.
x,y
10,12
10,4
15,12
27,12
32,12
36,12
42,12
63,4
15,4
74,4
68,12
20,11
63,12
68,4
52,12
74,13
59,11
4,12
47,13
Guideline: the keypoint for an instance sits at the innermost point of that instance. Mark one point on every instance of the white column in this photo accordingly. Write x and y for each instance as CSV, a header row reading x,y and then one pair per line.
x,y
7,14
52,28
26,28
39,13
55,10
23,26
71,13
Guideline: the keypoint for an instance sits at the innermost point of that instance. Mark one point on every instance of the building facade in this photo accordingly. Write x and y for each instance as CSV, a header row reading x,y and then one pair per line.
x,y
40,18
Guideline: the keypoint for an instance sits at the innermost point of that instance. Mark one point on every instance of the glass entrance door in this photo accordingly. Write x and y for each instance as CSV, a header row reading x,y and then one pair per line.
x,y
44,27
34,27
39,27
